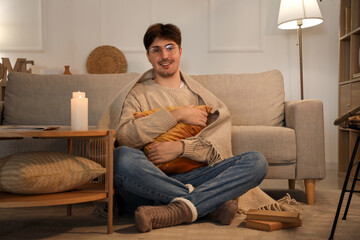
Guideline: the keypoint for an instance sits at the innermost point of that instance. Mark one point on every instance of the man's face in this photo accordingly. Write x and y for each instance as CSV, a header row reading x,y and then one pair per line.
x,y
164,55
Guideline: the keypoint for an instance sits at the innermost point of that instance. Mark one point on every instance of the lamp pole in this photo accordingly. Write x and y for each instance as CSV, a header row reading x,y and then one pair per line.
x,y
299,23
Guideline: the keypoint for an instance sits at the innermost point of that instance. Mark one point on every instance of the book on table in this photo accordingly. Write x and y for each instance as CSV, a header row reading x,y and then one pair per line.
x,y
271,225
269,215
27,127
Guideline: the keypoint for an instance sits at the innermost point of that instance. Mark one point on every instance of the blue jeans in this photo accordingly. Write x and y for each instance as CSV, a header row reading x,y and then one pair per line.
x,y
139,182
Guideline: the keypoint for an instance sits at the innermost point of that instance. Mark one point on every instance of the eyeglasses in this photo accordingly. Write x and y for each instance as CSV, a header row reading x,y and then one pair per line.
x,y
170,49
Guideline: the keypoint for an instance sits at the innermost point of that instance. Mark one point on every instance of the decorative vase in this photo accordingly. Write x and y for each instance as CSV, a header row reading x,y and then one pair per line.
x,y
67,70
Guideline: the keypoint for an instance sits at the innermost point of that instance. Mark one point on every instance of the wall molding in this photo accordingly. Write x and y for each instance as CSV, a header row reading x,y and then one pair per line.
x,y
214,47
127,46
35,23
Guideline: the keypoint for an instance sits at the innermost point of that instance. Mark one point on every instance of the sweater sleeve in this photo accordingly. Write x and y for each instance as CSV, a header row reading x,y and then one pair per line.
x,y
138,132
200,150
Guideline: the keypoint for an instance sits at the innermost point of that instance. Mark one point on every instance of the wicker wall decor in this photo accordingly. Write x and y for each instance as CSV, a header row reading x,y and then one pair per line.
x,y
106,59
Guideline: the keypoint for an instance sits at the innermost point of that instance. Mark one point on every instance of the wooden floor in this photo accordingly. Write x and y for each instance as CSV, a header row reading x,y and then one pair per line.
x,y
52,223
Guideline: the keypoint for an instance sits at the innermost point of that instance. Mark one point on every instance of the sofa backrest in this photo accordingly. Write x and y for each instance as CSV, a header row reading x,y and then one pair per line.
x,y
45,99
253,99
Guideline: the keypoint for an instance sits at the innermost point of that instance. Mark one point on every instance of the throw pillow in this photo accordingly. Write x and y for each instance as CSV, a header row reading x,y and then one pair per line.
x,y
180,131
46,172
2,163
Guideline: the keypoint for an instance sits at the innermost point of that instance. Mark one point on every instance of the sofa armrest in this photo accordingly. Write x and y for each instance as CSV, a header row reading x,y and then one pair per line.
x,y
1,111
306,117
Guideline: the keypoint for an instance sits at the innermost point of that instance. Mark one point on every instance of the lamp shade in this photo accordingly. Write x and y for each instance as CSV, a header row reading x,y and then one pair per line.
x,y
291,11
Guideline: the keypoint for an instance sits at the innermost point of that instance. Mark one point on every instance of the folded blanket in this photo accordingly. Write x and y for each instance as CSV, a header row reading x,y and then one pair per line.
x,y
257,199
350,119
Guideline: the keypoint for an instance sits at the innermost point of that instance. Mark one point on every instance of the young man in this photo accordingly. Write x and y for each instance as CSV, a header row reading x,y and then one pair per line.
x,y
161,200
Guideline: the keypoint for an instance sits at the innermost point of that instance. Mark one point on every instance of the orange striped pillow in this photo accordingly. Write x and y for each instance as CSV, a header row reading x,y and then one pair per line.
x,y
180,131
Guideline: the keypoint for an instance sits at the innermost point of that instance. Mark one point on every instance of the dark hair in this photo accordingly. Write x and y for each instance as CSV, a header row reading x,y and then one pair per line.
x,y
159,30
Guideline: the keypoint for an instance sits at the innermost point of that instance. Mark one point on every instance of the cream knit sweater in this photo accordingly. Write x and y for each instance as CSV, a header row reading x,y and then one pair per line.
x,y
211,145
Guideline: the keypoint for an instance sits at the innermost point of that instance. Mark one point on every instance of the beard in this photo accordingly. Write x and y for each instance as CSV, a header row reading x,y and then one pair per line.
x,y
166,73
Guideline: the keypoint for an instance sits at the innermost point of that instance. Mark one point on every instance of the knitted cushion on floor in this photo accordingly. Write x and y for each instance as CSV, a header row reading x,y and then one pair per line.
x,y
180,131
46,172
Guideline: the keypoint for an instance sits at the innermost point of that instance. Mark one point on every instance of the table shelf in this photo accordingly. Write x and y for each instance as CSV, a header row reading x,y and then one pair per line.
x,y
86,194
100,190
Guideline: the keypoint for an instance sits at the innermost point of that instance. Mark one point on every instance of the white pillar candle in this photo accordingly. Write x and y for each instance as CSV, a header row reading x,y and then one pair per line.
x,y
79,111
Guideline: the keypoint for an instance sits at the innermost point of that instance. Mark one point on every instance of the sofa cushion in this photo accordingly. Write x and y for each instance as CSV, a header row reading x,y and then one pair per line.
x,y
45,99
46,172
277,144
253,99
279,171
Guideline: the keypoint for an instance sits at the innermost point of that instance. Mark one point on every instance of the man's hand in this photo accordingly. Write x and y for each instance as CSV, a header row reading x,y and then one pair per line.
x,y
161,152
190,115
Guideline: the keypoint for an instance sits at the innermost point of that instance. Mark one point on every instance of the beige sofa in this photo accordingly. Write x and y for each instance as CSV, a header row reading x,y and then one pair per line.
x,y
289,134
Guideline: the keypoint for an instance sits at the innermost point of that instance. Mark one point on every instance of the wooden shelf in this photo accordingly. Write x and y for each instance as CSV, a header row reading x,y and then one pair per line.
x,y
355,80
349,81
88,194
347,35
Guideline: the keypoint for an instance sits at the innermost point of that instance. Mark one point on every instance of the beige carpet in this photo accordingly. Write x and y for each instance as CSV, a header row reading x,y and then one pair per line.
x,y
51,223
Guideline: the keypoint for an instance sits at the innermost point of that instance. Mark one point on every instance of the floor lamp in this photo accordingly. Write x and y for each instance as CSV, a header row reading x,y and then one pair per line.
x,y
298,14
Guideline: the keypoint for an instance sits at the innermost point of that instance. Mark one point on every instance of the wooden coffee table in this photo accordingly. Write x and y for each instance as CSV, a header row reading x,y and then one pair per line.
x,y
101,190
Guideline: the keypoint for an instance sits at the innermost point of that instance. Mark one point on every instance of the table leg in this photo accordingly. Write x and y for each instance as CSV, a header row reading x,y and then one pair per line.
x,y
110,149
70,151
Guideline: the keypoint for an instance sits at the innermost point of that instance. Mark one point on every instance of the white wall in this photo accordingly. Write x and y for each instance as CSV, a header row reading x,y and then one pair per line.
x,y
219,36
